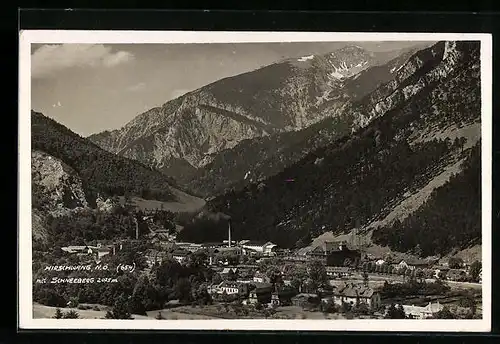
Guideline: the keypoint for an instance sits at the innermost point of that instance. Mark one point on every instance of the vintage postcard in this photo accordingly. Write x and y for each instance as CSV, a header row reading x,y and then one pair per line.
x,y
255,181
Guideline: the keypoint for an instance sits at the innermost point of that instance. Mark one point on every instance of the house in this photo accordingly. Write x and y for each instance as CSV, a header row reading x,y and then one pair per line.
x,y
227,272
323,250
253,247
180,255
260,278
456,275
342,255
154,256
230,288
263,288
440,271
420,263
275,300
188,246
260,292
354,294
426,312
77,249
305,300
103,251
338,271
413,264
252,298
227,287
211,245
379,262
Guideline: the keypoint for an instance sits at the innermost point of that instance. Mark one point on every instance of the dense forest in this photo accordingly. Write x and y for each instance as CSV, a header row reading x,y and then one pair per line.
x,y
360,177
100,171
450,218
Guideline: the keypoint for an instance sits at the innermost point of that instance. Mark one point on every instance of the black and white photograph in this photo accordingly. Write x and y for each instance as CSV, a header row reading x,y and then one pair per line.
x,y
255,181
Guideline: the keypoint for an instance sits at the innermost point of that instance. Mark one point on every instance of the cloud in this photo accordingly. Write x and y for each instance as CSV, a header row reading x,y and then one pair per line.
x,y
137,87
58,104
50,59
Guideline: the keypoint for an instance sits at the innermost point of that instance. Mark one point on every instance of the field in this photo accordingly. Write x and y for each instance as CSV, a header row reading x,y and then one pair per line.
x,y
186,203
45,312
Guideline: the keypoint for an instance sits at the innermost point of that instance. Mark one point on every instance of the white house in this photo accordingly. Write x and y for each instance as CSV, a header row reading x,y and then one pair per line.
x,y
426,312
230,288
379,262
265,248
180,255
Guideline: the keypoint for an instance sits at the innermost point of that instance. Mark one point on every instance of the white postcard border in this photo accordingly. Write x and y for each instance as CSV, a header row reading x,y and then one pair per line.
x,y
25,306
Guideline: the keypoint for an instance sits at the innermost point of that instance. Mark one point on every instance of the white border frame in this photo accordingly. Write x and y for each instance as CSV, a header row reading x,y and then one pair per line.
x,y
25,306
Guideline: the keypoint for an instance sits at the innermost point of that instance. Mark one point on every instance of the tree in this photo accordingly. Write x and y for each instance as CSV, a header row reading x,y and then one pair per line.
x,y
72,314
273,274
159,316
120,309
361,308
258,306
216,278
365,278
475,270
395,312
455,263
183,289
445,313
73,302
59,314
328,307
317,273
345,307
198,259
468,302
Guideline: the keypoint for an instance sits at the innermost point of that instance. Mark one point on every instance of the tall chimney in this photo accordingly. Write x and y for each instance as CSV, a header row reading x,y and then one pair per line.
x,y
136,229
229,232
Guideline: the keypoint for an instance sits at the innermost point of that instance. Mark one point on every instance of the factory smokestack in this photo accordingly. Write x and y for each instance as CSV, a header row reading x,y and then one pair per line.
x,y
136,228
229,233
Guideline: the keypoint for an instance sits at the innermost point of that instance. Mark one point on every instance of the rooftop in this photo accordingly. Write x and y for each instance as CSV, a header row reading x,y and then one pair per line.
x,y
354,290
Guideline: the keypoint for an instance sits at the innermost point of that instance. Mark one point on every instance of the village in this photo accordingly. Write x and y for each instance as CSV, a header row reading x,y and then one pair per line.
x,y
262,275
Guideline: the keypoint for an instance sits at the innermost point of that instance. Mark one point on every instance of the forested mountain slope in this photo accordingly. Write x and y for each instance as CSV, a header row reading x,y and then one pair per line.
x,y
360,178
100,171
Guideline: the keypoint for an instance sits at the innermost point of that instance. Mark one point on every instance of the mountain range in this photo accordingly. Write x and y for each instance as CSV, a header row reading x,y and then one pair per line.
x,y
303,150
422,135
189,137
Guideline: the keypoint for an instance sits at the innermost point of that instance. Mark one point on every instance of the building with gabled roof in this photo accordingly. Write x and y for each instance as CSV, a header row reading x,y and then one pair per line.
x,y
354,294
418,312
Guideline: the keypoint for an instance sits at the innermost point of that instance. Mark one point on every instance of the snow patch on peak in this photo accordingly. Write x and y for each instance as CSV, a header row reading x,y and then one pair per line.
x,y
305,58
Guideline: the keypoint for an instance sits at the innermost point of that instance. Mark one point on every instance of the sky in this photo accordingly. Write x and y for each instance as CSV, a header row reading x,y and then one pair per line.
x,y
95,87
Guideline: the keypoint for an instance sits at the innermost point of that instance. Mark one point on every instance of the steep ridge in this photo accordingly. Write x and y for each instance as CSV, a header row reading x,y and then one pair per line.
x,y
360,178
70,171
187,133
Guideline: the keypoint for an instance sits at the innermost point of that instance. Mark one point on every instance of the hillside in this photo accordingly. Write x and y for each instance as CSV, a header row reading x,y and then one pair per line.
x,y
187,134
361,178
100,171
